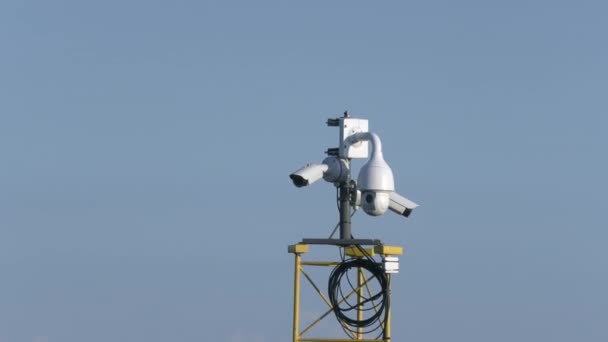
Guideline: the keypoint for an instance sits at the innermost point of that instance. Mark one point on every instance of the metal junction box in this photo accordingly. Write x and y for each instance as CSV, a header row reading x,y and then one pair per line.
x,y
348,127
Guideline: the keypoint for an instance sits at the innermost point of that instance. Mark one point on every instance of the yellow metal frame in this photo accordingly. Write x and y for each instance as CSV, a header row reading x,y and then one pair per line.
x,y
298,250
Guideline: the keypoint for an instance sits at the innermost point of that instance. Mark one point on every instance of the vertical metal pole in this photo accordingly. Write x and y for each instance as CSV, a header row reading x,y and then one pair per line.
x,y
296,298
345,232
387,323
360,282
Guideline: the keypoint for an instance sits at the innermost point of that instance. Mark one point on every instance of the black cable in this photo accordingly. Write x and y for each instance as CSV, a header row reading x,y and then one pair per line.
x,y
373,323
377,301
386,299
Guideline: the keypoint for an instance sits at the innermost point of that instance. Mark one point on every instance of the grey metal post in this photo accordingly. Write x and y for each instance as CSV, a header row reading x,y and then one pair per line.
x,y
345,232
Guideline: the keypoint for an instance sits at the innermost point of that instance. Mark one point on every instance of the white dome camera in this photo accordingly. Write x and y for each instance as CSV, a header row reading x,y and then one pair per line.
x,y
375,203
370,202
375,181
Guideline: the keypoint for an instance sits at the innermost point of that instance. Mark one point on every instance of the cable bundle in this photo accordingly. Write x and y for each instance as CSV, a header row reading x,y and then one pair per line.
x,y
377,303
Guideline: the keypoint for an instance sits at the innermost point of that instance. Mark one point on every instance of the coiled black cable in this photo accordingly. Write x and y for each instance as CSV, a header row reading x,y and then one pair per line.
x,y
376,301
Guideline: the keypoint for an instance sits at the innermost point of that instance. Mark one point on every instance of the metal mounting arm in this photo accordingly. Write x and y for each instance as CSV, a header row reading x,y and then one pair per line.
x,y
366,136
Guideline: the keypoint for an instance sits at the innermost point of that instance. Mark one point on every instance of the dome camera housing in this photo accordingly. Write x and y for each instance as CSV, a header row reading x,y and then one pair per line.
x,y
375,203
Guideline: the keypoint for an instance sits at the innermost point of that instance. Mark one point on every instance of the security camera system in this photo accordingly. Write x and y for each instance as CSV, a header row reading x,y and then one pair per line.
x,y
374,190
358,289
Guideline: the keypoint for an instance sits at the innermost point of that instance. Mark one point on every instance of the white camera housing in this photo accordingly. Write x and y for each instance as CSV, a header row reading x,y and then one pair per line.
x,y
401,205
375,203
308,174
332,169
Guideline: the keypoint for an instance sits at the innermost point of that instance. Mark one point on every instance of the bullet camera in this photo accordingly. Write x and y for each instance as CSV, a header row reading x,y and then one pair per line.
x,y
332,170
308,174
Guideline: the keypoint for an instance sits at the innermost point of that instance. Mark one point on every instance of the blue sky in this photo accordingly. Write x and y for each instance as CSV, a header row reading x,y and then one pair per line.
x,y
145,148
